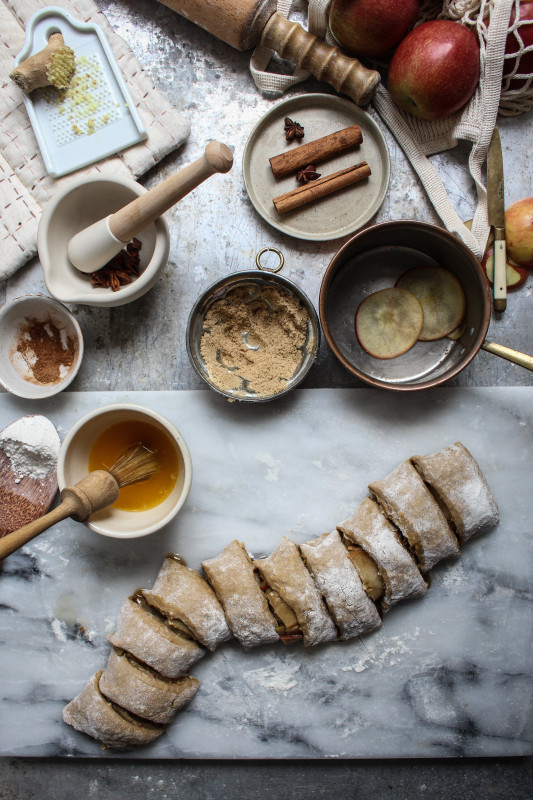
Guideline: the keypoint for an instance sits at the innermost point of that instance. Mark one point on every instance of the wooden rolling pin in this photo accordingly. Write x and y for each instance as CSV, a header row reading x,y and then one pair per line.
x,y
243,24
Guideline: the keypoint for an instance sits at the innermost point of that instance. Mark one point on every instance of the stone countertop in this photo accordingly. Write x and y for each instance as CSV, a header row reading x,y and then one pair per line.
x,y
211,84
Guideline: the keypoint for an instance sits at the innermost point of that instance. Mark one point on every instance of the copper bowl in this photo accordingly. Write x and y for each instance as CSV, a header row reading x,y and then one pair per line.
x,y
374,259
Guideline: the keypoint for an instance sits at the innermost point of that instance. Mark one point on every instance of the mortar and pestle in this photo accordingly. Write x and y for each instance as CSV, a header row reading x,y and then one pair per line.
x,y
92,219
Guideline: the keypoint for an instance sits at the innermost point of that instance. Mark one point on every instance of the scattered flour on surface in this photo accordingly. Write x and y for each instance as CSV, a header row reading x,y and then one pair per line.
x,y
382,655
277,677
273,465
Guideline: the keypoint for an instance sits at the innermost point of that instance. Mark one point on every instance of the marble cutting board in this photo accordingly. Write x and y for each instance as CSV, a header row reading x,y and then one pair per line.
x,y
447,675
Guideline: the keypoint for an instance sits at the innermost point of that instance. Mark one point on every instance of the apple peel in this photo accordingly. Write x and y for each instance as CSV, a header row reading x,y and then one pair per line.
x,y
388,322
441,296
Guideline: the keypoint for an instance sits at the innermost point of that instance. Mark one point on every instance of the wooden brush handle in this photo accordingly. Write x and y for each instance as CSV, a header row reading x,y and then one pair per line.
x,y
307,51
98,490
130,220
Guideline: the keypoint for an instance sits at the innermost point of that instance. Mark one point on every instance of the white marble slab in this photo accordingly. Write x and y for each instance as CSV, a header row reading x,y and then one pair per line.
x,y
447,675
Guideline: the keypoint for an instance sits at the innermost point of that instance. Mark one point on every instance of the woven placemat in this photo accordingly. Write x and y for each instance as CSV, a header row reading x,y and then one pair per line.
x,y
25,186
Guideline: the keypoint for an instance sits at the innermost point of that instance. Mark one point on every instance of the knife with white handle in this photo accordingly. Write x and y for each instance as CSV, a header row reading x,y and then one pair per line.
x,y
496,215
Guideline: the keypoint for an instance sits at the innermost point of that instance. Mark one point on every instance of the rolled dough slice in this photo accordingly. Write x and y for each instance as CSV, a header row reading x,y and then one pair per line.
x,y
286,573
143,692
408,503
89,712
370,529
340,585
181,593
149,639
231,575
455,477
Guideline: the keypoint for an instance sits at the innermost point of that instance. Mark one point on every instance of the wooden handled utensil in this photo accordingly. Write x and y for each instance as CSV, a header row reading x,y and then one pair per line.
x,y
93,247
243,24
97,490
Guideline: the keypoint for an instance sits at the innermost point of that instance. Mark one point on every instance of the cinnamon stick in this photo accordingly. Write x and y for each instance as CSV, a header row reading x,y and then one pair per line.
x,y
321,188
316,151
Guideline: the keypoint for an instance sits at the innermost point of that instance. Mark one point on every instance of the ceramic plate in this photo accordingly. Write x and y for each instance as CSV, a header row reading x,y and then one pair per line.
x,y
330,217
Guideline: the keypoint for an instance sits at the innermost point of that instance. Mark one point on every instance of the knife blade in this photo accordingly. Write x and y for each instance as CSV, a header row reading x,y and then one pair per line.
x,y
496,217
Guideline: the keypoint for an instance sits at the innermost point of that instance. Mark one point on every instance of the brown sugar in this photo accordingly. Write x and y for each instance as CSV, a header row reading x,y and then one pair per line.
x,y
254,340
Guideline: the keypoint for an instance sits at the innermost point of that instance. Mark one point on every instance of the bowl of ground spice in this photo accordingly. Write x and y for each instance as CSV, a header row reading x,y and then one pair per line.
x,y
253,336
41,346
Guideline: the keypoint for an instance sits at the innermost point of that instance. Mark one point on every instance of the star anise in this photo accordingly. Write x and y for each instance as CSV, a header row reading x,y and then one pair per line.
x,y
307,174
122,268
293,130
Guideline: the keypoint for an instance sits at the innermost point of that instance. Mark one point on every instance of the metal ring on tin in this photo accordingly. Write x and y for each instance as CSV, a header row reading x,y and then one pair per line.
x,y
270,269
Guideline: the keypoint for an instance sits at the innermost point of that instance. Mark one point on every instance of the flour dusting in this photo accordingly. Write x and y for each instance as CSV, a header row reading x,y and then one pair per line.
x,y
277,677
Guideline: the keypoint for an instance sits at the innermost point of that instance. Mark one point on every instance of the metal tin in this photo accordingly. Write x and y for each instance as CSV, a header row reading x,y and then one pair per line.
x,y
373,259
218,290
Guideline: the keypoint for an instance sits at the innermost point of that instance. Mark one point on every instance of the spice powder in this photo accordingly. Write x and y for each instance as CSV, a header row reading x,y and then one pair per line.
x,y
254,340
46,351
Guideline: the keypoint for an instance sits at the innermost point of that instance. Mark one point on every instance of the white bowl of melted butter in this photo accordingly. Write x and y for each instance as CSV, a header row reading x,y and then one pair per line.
x,y
99,438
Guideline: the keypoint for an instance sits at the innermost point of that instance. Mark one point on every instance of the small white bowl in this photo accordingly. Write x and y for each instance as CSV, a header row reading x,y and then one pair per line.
x,y
73,465
82,202
15,374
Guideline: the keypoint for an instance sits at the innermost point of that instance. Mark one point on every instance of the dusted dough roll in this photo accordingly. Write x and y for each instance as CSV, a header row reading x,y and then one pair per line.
x,y
286,574
409,504
340,585
458,482
150,640
231,574
90,713
371,530
181,593
143,692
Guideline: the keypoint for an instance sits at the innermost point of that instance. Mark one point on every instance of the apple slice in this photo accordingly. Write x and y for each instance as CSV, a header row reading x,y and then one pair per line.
x,y
388,322
515,276
442,298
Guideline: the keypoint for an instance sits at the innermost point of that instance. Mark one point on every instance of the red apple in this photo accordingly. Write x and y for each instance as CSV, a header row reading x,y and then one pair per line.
x,y
524,32
435,70
519,232
371,28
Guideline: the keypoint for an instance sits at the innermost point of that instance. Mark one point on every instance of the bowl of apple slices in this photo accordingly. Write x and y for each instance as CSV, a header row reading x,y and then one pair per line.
x,y
405,305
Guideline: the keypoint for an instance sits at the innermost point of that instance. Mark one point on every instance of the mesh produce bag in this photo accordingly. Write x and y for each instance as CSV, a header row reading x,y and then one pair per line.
x,y
490,20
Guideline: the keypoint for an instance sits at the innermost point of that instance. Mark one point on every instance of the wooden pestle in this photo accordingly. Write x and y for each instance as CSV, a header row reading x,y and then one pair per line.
x,y
97,490
93,247
243,24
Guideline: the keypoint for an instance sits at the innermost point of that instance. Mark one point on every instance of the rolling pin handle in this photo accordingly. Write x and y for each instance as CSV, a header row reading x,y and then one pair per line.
x,y
347,75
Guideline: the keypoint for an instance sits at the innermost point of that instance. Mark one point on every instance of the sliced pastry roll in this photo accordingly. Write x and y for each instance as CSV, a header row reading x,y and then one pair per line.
x,y
455,477
232,576
142,692
286,575
406,500
187,600
148,638
91,713
340,585
370,529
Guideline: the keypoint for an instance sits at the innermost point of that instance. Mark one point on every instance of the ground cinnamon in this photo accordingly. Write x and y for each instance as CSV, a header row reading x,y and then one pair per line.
x,y
47,351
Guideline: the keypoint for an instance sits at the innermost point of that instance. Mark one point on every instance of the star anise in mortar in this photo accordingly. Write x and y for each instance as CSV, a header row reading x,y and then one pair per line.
x,y
293,129
122,268
307,174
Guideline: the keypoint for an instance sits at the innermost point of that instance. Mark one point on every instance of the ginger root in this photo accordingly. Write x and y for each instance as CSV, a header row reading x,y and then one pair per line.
x,y
52,66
